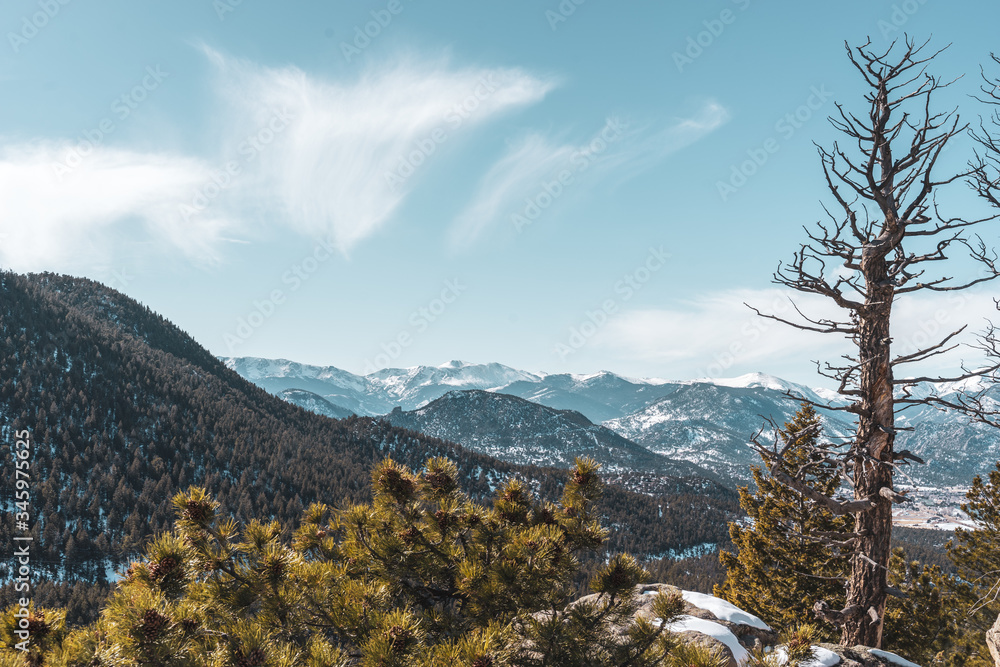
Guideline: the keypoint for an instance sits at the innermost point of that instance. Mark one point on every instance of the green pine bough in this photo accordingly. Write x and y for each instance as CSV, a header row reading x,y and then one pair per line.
x,y
421,576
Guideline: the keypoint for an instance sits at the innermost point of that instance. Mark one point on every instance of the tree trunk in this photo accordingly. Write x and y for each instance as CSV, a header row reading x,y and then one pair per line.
x,y
867,581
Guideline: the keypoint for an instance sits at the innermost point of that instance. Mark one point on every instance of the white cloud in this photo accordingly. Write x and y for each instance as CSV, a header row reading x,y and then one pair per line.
x,y
519,178
300,152
52,216
717,336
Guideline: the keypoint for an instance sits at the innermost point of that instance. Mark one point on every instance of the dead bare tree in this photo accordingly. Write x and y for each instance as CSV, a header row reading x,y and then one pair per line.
x,y
878,244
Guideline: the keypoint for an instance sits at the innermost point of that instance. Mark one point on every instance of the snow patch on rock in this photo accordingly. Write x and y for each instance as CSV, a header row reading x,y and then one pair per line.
x,y
892,657
724,611
711,629
821,657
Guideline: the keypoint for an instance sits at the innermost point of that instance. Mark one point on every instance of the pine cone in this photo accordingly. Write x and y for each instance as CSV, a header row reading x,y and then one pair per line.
x,y
395,483
37,627
163,568
410,535
443,519
399,638
254,659
152,624
440,481
196,511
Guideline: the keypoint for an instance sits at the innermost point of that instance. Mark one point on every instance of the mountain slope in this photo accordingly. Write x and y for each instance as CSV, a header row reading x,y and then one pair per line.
x,y
954,449
411,388
711,425
601,397
125,409
340,388
315,403
519,431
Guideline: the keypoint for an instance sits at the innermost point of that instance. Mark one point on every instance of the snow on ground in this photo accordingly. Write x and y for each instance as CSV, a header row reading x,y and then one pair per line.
x,y
696,551
893,658
712,629
723,610
821,657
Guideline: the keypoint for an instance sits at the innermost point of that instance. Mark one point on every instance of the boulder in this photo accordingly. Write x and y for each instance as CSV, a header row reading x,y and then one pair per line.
x,y
717,624
993,641
861,656
706,620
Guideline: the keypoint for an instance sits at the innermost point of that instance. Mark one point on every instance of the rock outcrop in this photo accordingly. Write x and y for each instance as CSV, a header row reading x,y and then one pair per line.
x,y
708,621
860,656
993,641
719,625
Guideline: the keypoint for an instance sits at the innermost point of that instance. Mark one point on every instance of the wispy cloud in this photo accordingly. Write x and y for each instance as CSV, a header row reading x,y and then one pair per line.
x,y
331,171
530,169
294,150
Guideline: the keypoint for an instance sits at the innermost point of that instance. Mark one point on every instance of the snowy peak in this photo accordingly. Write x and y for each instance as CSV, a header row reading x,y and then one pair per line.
x,y
751,380
379,392
255,369
600,396
454,374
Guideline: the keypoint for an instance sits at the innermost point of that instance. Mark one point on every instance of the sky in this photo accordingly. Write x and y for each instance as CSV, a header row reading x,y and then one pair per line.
x,y
385,183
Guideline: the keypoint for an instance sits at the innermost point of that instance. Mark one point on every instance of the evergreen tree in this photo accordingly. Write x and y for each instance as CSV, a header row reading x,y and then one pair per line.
x,y
45,631
421,576
925,624
976,553
781,565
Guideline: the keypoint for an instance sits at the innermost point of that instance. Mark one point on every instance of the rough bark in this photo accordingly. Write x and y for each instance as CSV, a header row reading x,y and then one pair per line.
x,y
868,578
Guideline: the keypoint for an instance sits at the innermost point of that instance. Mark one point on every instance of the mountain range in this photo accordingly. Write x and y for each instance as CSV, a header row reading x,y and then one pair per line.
x,y
706,423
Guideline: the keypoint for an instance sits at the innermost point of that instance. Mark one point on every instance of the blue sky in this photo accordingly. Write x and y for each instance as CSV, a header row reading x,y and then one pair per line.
x,y
529,182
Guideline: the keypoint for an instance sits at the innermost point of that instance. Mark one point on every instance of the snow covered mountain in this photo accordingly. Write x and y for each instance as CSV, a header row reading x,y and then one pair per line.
x,y
379,392
314,403
344,390
711,424
705,422
516,430
601,396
